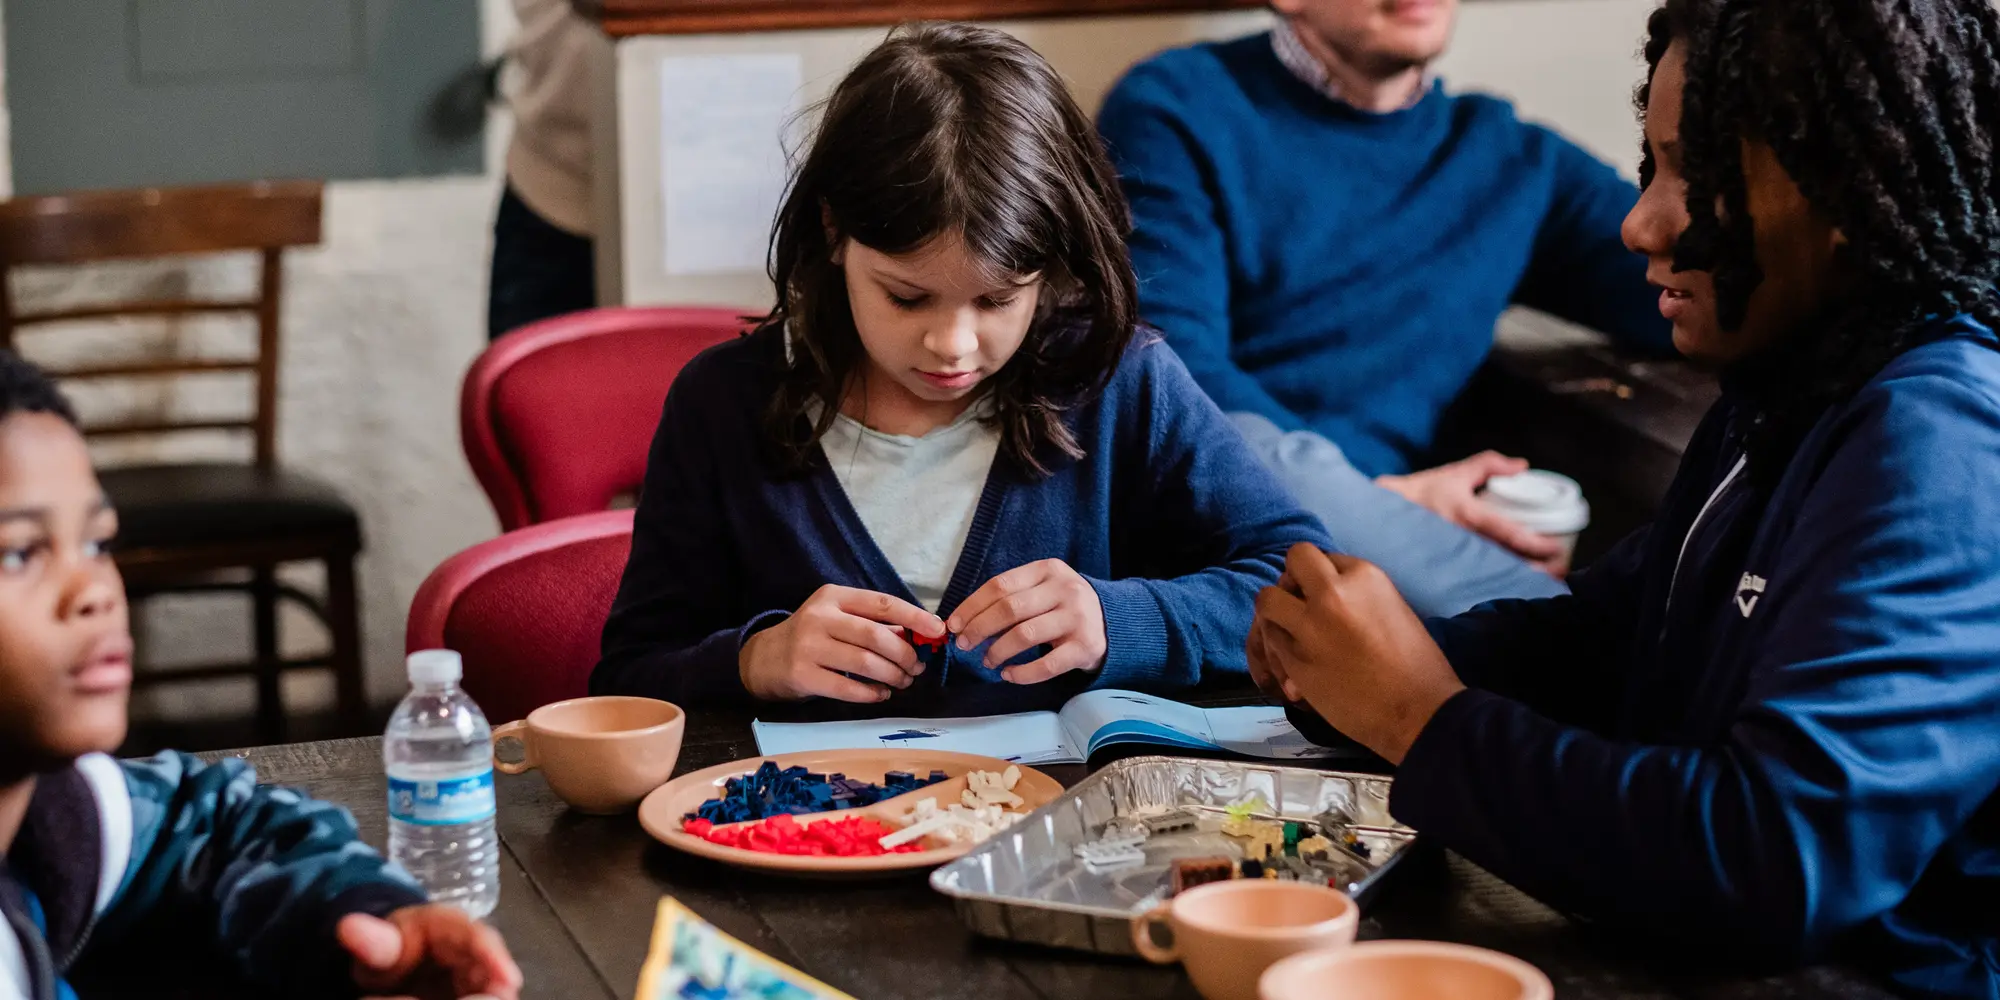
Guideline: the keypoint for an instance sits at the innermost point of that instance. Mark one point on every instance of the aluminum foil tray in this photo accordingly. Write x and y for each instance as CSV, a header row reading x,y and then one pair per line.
x,y
1027,884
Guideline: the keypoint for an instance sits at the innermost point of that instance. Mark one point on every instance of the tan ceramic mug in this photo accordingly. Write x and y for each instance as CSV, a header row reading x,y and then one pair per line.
x,y
1404,970
1227,933
600,755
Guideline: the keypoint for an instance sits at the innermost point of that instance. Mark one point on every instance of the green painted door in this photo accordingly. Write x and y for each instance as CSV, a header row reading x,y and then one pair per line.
x,y
128,93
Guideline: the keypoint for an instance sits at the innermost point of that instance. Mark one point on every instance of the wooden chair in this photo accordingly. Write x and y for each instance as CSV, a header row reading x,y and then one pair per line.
x,y
212,526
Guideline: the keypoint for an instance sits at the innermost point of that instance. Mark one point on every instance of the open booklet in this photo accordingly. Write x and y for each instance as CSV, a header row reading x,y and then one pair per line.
x,y
1087,723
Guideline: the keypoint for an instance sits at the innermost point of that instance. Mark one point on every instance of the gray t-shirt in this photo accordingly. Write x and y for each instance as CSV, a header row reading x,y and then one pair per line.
x,y
916,495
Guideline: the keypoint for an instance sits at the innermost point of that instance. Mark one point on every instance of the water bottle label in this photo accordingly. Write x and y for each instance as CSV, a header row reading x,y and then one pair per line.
x,y
442,803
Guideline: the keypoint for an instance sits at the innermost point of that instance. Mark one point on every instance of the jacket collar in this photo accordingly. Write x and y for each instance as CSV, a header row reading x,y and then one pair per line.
x,y
58,856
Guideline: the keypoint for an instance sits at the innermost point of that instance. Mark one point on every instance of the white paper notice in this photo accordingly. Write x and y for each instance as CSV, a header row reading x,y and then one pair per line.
x,y
722,157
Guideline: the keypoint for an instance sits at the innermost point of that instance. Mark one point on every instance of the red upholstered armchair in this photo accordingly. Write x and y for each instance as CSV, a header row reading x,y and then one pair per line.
x,y
526,610
557,416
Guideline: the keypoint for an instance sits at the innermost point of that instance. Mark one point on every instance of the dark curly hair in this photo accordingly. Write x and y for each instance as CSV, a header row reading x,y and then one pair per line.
x,y
952,128
1886,114
24,388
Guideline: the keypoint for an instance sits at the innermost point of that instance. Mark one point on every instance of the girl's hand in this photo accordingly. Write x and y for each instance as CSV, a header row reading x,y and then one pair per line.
x,y
431,952
1350,645
837,631
1041,603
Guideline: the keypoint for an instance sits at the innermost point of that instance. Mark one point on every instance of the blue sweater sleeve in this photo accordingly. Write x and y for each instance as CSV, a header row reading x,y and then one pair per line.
x,y
1581,269
674,634
1862,742
1177,242
1211,526
263,872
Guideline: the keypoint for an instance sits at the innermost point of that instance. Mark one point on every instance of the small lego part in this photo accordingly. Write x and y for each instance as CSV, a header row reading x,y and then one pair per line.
x,y
1294,869
1291,837
1102,856
1358,846
1123,827
1173,821
1245,809
1252,868
1315,848
1191,872
993,788
1265,839
1334,824
934,652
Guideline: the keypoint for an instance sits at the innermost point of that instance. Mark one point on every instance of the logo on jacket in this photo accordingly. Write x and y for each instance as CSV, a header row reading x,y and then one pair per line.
x,y
1748,590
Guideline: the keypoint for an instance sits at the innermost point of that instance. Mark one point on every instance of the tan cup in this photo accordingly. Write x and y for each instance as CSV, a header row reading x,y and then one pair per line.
x,y
600,755
1404,970
1227,933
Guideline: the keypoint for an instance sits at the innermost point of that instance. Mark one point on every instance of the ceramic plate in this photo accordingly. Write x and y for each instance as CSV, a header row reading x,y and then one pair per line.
x,y
662,811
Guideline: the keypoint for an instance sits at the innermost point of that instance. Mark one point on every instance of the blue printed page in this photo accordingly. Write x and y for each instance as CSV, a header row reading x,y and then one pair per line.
x,y
1026,738
1095,719
1262,731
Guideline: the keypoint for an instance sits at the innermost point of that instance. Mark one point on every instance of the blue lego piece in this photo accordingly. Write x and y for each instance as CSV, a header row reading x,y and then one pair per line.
x,y
796,791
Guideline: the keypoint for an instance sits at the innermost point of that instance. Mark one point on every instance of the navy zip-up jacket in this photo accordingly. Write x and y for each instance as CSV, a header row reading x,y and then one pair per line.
x,y
1167,515
1771,724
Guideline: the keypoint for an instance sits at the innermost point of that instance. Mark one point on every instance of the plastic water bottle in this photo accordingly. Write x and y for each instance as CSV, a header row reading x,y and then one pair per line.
x,y
439,756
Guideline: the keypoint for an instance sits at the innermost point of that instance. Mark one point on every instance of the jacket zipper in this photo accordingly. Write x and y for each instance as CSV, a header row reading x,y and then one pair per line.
x,y
1673,581
76,950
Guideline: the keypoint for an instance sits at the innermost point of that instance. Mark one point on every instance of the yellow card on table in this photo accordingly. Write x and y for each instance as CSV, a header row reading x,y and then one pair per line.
x,y
691,960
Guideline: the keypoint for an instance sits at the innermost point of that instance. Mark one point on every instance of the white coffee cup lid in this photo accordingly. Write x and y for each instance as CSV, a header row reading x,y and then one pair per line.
x,y
1547,502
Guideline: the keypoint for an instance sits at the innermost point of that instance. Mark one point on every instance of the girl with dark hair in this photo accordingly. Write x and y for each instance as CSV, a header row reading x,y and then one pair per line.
x,y
1771,722
949,424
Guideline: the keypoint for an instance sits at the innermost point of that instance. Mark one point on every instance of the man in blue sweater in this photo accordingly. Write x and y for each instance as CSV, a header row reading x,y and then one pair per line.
x,y
1327,239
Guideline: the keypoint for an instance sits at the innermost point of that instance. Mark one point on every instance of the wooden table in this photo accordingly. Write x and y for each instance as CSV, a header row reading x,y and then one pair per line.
x,y
577,898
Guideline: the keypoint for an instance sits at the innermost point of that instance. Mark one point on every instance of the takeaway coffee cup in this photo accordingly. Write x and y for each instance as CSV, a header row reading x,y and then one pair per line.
x,y
1404,970
1227,933
1548,503
600,755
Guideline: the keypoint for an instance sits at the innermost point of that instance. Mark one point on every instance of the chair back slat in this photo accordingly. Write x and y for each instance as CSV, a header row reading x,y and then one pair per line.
x,y
159,222
264,217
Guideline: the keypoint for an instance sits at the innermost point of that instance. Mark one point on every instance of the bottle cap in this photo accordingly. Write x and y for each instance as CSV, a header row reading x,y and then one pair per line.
x,y
1543,501
436,666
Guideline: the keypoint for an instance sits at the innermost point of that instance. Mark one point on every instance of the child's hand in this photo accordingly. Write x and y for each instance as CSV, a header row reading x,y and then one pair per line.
x,y
1043,602
1349,643
429,952
837,631
1266,670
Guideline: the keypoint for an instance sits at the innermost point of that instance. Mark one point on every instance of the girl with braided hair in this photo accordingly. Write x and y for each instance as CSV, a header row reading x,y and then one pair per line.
x,y
1770,722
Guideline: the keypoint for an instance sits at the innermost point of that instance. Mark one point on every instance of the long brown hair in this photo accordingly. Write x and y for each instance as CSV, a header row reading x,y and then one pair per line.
x,y
943,129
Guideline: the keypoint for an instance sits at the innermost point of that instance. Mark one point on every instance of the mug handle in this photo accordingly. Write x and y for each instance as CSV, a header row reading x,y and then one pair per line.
x,y
518,732
1142,936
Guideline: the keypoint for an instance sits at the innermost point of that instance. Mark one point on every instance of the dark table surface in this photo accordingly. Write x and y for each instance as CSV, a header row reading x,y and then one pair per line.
x,y
578,893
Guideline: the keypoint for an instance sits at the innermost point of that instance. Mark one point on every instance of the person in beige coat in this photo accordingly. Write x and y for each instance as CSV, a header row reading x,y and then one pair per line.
x,y
542,251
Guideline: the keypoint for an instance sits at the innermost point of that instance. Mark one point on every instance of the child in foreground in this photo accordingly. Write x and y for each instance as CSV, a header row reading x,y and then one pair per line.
x,y
951,423
166,868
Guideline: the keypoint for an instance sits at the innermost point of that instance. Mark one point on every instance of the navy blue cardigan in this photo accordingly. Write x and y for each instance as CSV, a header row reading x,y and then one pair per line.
x,y
1781,734
1168,515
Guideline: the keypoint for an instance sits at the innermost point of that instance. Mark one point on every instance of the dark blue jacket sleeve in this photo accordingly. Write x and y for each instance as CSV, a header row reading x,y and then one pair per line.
x,y
1864,738
264,873
1213,527
1581,269
1558,653
673,632
1178,250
